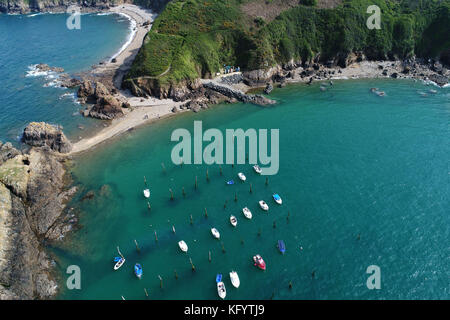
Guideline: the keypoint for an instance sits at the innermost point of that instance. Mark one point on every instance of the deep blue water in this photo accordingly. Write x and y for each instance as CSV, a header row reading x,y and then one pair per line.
x,y
28,40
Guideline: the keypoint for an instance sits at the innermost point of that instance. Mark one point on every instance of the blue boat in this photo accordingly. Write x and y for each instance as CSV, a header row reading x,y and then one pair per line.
x,y
117,259
219,278
281,247
138,270
277,198
230,182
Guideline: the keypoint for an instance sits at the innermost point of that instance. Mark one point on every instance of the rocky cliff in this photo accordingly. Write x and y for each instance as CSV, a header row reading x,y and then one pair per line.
x,y
32,202
39,134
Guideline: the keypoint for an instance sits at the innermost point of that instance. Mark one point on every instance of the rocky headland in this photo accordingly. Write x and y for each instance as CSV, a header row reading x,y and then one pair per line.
x,y
33,196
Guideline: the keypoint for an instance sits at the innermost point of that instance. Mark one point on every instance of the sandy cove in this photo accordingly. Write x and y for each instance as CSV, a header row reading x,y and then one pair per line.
x,y
143,110
138,116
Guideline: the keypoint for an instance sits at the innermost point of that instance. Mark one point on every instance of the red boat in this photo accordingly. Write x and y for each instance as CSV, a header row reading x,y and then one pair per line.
x,y
259,262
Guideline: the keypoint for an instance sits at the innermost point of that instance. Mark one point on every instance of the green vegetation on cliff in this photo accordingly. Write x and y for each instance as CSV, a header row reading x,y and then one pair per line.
x,y
195,38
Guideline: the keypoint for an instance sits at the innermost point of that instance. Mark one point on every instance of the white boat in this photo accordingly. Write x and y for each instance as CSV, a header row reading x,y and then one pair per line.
x,y
263,205
247,213
119,263
277,198
222,292
242,176
257,169
183,246
215,233
234,279
147,193
233,221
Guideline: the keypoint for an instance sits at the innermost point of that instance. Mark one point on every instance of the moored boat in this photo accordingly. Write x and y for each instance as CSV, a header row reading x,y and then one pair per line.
x,y
183,246
235,279
277,198
263,205
119,262
230,182
259,262
215,233
138,270
257,169
221,291
233,221
247,213
281,246
147,193
242,176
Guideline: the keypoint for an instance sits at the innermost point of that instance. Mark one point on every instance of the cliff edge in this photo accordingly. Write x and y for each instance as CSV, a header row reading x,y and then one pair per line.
x,y
32,203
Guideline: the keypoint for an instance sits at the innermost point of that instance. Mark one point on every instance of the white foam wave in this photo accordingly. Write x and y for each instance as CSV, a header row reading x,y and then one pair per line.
x,y
33,71
52,76
130,37
34,14
429,82
72,96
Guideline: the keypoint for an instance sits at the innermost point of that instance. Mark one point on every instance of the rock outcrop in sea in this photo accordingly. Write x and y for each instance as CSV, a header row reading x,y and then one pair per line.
x,y
45,67
39,134
32,202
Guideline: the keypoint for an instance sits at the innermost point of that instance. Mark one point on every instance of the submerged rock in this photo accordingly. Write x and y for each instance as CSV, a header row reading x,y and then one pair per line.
x,y
39,134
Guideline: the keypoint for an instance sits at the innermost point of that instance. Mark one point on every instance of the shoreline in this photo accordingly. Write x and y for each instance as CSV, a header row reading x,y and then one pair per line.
x,y
143,110
120,62
155,108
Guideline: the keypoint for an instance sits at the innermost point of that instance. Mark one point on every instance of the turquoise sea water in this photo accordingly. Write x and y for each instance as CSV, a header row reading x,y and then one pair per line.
x,y
28,40
364,179
352,166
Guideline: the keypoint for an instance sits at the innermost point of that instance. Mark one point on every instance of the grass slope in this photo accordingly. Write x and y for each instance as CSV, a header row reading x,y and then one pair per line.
x,y
195,38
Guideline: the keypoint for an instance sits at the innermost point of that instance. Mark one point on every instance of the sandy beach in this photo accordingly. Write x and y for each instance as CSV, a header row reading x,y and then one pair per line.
x,y
143,110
